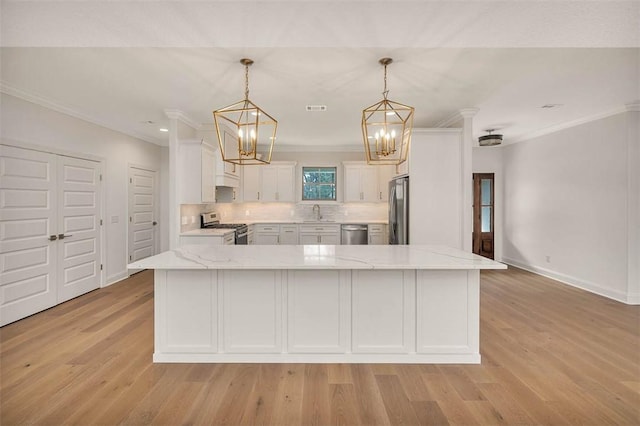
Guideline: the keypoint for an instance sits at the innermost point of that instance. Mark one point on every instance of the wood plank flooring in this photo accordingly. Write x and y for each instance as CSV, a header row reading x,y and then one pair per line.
x,y
551,355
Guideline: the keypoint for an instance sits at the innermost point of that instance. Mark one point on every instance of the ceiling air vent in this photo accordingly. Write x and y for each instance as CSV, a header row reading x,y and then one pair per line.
x,y
313,108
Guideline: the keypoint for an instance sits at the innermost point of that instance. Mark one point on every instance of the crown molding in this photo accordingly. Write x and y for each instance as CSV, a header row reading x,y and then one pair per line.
x,y
438,130
633,106
468,112
572,123
179,115
317,148
49,104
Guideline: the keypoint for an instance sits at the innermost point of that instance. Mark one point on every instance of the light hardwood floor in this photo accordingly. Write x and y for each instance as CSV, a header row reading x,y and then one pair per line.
x,y
551,355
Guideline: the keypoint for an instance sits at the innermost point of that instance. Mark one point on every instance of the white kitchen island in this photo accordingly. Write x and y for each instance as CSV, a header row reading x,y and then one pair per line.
x,y
317,303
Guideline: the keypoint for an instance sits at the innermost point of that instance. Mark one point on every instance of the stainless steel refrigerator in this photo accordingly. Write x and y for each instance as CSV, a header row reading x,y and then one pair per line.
x,y
399,210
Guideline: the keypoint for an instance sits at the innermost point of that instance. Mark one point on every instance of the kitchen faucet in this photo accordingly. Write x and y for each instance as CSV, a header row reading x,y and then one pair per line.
x,y
316,212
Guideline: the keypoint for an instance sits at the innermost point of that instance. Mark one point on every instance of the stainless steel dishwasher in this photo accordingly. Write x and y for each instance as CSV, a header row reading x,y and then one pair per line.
x,y
354,234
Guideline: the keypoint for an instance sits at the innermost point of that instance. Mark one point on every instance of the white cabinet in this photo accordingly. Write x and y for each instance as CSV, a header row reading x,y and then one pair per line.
x,y
214,240
251,234
251,183
197,164
275,234
364,183
227,194
378,234
266,234
227,174
385,174
288,234
278,182
320,234
269,183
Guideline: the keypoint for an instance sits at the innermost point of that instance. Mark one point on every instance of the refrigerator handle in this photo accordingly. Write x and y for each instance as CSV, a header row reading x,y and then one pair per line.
x,y
393,221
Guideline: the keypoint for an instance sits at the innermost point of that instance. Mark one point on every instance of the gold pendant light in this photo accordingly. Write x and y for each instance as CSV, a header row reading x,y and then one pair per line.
x,y
246,133
386,128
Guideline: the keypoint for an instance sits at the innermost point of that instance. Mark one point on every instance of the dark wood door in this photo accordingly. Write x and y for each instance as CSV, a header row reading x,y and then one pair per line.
x,y
483,214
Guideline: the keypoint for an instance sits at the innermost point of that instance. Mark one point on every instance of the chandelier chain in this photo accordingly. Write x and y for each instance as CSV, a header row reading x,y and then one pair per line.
x,y
246,81
386,91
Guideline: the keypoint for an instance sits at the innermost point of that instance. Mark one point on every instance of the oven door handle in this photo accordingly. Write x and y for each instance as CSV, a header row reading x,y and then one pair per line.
x,y
244,234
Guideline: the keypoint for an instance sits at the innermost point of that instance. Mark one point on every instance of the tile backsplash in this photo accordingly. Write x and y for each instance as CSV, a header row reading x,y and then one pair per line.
x,y
190,215
301,211
285,212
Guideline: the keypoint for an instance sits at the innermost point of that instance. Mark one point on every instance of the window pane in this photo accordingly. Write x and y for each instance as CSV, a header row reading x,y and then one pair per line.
x,y
485,219
485,191
319,183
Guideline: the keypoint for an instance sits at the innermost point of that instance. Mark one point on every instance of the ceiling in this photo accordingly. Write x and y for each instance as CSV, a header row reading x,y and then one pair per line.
x,y
122,64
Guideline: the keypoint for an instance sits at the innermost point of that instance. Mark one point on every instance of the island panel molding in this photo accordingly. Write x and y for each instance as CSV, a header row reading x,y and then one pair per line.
x,y
332,304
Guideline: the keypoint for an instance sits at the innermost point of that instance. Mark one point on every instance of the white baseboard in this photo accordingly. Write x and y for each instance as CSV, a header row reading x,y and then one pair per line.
x,y
574,282
633,299
117,277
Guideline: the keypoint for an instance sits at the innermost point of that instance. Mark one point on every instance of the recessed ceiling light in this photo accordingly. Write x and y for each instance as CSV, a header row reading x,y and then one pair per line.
x,y
163,129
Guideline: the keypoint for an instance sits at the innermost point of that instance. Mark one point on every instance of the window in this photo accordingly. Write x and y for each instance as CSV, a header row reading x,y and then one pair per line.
x,y
319,183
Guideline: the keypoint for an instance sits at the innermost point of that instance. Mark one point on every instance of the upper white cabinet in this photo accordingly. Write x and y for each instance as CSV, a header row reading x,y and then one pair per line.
x,y
197,162
268,183
365,183
228,174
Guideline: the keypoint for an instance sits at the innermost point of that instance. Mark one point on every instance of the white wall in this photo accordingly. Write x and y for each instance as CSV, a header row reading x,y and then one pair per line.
x,y
566,200
489,160
25,123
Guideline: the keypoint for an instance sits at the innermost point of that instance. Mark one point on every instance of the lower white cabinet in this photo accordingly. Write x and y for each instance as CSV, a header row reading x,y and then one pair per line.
x,y
288,234
378,234
320,234
275,234
214,240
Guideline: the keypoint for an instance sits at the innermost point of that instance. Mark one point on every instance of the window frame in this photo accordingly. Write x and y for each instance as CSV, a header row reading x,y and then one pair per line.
x,y
334,183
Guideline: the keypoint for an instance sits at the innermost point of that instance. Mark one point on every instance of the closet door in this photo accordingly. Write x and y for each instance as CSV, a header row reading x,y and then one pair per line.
x,y
28,232
78,227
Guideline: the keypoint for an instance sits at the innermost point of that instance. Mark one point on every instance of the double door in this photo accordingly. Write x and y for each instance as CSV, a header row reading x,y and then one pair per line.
x,y
50,223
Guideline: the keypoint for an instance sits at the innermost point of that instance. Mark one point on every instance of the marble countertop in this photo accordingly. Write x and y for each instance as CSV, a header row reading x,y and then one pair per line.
x,y
316,257
208,232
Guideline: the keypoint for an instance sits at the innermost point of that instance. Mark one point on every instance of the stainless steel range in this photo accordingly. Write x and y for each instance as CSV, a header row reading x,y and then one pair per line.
x,y
212,220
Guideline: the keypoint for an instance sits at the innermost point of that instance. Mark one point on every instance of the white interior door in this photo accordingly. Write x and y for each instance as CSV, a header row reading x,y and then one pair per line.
x,y
78,227
142,213
28,217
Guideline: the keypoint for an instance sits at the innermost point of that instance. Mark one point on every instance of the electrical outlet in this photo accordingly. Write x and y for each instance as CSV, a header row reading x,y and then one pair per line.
x,y
185,220
193,219
548,259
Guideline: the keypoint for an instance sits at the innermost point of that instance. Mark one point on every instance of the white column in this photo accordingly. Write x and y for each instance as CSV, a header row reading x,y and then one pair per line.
x,y
174,205
467,178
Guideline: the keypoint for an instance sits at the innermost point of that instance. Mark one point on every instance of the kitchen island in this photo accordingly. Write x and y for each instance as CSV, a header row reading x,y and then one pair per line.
x,y
317,303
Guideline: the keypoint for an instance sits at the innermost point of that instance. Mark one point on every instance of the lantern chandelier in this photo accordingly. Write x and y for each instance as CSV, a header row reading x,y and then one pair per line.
x,y
386,128
246,133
